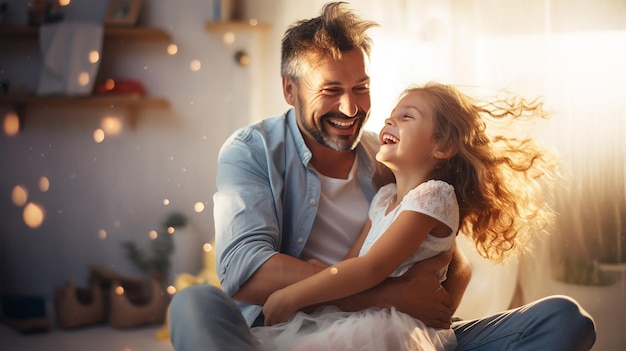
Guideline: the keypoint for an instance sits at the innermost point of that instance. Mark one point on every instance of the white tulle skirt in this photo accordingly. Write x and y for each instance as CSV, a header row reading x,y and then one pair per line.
x,y
328,328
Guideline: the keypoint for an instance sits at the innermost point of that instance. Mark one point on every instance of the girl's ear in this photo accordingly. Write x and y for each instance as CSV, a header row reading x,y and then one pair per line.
x,y
289,90
443,154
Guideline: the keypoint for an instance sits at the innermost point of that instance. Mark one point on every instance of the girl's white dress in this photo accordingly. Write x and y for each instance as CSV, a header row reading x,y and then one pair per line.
x,y
376,329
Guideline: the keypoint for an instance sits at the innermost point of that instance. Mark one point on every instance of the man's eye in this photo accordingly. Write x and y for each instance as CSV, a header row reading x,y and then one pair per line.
x,y
331,91
363,89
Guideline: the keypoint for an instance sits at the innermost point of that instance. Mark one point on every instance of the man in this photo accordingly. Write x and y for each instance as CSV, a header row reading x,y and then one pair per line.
x,y
295,189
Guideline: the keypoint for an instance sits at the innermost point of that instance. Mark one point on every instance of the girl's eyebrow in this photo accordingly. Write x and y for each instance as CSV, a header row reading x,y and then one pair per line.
x,y
411,107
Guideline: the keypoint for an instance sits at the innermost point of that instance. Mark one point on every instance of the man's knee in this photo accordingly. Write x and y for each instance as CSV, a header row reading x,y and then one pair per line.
x,y
566,309
569,317
195,298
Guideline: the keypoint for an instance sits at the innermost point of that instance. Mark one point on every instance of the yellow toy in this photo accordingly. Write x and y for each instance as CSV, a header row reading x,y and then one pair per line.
x,y
208,275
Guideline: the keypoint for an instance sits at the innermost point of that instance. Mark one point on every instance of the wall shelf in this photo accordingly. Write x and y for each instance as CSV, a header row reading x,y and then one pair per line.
x,y
215,26
18,33
112,101
131,103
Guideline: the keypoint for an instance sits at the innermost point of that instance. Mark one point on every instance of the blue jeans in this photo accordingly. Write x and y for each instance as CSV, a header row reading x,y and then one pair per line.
x,y
203,317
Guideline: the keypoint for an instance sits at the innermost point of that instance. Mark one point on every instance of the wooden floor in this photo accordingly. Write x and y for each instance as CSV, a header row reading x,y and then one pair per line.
x,y
96,338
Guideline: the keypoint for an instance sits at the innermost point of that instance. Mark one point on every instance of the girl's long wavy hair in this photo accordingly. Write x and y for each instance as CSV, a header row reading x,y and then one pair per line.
x,y
499,180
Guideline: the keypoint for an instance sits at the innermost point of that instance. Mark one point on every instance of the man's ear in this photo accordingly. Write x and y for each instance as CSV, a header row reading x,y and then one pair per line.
x,y
289,90
445,153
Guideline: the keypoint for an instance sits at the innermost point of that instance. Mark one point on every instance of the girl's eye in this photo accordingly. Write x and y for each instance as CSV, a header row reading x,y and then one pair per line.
x,y
362,89
407,117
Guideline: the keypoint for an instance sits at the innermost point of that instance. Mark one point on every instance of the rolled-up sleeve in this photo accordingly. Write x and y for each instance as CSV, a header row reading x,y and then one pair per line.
x,y
246,212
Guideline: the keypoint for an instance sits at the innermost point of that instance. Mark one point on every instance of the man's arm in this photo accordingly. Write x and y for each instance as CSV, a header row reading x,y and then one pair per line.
x,y
459,275
418,292
276,273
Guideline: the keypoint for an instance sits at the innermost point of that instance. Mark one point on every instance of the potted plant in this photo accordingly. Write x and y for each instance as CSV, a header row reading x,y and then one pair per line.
x,y
158,263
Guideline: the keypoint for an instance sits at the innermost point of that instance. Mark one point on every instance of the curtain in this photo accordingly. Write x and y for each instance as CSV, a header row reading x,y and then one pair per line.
x,y
572,54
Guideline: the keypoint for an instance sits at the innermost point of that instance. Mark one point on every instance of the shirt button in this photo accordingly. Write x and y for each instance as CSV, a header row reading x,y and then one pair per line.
x,y
300,240
312,202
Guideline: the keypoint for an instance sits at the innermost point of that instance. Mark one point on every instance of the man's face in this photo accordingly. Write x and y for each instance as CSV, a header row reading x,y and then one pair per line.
x,y
332,100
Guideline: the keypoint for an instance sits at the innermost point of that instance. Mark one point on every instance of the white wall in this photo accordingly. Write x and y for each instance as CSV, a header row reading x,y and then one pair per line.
x,y
119,185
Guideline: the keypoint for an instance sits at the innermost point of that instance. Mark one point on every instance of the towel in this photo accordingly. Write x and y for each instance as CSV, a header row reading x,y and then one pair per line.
x,y
66,47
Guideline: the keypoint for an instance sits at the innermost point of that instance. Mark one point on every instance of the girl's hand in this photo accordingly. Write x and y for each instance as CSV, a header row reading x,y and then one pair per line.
x,y
278,308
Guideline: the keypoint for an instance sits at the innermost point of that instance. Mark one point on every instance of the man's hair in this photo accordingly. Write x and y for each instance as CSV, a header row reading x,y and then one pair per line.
x,y
336,30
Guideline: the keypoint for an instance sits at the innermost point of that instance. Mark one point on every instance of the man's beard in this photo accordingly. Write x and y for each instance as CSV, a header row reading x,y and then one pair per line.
x,y
334,142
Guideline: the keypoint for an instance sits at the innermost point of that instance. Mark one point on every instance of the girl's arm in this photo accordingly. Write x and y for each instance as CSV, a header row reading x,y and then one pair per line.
x,y
355,274
358,243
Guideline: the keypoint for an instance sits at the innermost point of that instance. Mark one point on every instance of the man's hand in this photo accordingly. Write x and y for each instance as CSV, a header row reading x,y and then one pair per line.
x,y
419,293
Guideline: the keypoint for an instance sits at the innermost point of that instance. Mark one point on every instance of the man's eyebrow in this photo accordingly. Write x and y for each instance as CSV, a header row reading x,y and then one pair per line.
x,y
360,81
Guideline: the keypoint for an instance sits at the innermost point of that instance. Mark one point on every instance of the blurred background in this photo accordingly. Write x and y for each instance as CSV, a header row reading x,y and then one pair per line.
x,y
79,179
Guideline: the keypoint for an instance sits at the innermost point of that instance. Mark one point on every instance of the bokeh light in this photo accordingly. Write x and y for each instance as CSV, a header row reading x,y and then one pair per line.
x,y
102,234
83,78
19,195
33,215
11,124
94,56
198,207
98,135
64,2
207,247
195,65
153,234
109,84
112,125
172,49
119,290
166,202
171,230
228,38
44,184
171,290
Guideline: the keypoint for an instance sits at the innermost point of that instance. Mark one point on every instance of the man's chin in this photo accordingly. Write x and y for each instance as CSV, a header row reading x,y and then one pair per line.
x,y
342,144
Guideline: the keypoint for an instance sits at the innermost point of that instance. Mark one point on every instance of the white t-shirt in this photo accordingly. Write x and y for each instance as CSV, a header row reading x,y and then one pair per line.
x,y
341,214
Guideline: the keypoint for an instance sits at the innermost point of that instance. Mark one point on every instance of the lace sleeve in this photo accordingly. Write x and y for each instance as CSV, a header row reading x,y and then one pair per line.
x,y
435,198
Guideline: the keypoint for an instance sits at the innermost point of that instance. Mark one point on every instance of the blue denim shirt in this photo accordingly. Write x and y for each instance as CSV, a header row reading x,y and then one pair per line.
x,y
267,197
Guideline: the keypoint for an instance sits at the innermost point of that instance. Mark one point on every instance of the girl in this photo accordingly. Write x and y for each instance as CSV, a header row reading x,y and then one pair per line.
x,y
450,175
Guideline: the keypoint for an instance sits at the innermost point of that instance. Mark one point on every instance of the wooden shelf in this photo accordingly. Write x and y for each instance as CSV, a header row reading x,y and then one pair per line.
x,y
214,26
110,33
131,103
112,101
138,33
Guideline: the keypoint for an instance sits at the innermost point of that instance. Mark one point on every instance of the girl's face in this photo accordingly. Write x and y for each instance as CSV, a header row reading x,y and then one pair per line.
x,y
407,141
